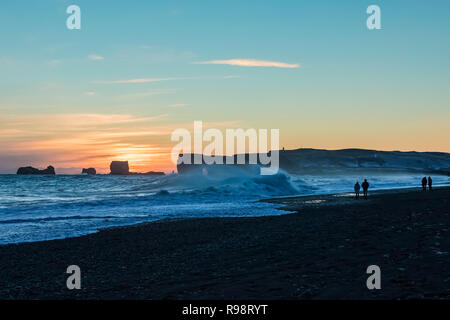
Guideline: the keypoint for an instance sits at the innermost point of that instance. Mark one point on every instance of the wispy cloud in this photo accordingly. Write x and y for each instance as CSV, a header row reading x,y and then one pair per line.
x,y
69,122
140,80
95,57
251,63
153,80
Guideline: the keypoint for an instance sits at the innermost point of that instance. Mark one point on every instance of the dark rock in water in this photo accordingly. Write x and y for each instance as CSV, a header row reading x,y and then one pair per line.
x,y
89,171
119,168
31,170
122,168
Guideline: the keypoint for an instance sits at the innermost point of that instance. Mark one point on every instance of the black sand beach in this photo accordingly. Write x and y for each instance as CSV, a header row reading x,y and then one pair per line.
x,y
321,252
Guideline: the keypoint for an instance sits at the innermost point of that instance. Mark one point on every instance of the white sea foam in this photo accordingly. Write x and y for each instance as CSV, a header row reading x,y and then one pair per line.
x,y
34,208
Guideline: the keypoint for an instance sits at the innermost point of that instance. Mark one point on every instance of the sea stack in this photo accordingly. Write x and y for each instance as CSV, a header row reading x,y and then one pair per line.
x,y
89,171
31,170
119,168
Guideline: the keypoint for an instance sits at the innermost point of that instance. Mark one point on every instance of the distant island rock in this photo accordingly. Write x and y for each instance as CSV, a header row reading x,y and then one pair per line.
x,y
31,170
122,168
89,171
119,168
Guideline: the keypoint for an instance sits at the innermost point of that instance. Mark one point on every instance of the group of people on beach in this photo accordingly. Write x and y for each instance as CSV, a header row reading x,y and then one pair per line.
x,y
426,181
365,187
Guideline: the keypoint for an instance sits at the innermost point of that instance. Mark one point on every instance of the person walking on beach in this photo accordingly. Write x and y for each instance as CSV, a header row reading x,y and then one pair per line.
x,y
424,184
430,184
357,188
365,186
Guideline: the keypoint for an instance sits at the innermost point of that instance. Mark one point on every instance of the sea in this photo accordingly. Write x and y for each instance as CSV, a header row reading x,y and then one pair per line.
x,y
45,207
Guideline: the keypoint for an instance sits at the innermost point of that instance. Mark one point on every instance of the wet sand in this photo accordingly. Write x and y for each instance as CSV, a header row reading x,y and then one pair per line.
x,y
320,252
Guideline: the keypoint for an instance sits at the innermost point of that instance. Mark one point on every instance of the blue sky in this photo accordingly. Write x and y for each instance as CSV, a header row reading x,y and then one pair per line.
x,y
382,89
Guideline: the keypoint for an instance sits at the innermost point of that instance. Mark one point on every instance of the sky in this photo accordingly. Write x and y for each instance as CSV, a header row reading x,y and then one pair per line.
x,y
137,70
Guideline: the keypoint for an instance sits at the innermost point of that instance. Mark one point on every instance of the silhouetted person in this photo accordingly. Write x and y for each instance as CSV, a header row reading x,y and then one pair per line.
x,y
365,186
424,184
430,183
357,188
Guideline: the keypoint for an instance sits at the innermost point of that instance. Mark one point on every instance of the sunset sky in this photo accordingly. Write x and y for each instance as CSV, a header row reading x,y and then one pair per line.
x,y
137,70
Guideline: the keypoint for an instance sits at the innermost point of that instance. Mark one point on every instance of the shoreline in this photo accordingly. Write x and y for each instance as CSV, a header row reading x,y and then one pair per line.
x,y
289,201
321,253
275,200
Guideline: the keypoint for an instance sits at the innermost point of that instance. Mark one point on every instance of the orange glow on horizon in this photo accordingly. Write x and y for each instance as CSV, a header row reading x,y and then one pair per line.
x,y
71,142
